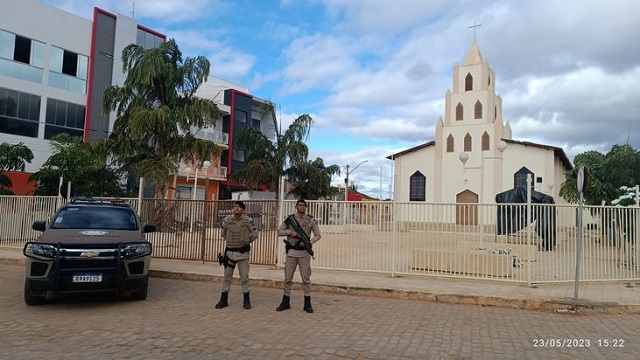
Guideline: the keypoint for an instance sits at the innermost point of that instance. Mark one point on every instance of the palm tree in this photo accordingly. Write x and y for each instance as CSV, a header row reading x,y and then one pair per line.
x,y
267,160
78,163
312,180
607,173
156,112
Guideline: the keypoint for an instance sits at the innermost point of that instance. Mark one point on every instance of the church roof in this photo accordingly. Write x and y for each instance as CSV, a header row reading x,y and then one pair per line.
x,y
473,55
558,152
415,148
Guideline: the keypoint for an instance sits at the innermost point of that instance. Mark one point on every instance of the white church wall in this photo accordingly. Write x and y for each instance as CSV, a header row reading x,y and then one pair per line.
x,y
538,160
407,165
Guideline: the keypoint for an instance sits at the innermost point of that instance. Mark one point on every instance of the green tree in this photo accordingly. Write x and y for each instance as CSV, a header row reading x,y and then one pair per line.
x,y
12,158
267,160
156,112
312,180
77,162
606,175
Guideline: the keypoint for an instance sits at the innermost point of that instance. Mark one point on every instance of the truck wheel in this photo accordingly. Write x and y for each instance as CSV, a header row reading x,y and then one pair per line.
x,y
32,299
141,294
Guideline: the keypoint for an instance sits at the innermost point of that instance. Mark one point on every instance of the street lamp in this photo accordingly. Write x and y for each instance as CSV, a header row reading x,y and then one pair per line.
x,y
346,179
205,166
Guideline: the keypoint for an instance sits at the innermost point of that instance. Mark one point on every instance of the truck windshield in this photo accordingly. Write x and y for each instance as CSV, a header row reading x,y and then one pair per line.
x,y
95,217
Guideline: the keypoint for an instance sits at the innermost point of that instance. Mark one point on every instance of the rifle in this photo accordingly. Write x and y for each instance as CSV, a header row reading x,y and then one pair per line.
x,y
291,221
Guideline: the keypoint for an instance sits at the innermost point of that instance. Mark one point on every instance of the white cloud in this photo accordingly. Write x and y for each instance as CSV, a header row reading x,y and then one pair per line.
x,y
231,64
316,61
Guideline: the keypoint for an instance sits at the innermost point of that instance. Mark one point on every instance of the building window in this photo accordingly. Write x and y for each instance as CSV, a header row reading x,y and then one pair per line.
x,y
489,81
64,117
240,116
255,124
21,57
186,192
486,140
148,40
467,142
19,113
468,82
478,110
22,50
238,154
450,147
459,112
68,70
520,178
417,187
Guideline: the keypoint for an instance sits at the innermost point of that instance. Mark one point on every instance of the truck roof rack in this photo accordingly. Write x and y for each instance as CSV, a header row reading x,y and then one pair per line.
x,y
106,201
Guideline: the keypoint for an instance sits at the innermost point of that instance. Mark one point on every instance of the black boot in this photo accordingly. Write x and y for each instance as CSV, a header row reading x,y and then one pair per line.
x,y
247,302
223,303
284,305
307,304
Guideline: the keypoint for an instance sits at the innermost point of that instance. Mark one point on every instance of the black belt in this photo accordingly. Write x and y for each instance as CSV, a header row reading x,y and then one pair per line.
x,y
242,249
294,247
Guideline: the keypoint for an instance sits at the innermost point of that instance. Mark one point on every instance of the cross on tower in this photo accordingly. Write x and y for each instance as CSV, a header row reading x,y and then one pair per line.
x,y
474,26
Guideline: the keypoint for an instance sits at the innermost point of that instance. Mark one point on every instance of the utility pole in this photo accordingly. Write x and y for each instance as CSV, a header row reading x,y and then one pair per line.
x,y
346,179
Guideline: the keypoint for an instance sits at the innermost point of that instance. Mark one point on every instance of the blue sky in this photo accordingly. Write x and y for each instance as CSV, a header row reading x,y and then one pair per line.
x,y
373,74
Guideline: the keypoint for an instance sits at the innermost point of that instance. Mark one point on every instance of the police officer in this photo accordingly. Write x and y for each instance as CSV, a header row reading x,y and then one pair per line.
x,y
298,256
239,231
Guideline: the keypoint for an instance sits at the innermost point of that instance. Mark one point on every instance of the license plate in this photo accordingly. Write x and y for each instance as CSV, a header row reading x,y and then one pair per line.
x,y
87,278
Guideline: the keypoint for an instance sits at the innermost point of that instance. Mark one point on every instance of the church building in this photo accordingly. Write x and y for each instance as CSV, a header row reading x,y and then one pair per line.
x,y
473,156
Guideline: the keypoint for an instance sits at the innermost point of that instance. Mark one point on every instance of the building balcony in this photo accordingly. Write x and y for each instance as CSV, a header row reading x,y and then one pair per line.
x,y
212,172
218,137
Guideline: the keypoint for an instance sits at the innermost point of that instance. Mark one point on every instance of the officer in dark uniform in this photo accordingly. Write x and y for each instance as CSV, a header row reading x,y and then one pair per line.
x,y
298,256
239,231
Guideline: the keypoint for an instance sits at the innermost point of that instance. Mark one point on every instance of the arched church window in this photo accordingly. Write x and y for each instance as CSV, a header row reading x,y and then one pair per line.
x,y
520,178
417,187
478,110
486,140
450,147
459,112
468,82
467,142
489,80
495,112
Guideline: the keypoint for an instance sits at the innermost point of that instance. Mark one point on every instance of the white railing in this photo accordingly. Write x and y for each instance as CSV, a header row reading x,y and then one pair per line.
x,y
17,214
217,136
521,243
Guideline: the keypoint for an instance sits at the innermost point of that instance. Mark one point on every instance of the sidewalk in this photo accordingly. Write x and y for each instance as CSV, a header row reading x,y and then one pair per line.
x,y
592,297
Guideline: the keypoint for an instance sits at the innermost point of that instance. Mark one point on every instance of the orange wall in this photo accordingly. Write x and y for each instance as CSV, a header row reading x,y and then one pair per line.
x,y
21,183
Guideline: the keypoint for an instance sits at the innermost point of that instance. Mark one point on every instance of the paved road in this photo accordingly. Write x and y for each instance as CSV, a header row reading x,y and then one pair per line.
x,y
178,321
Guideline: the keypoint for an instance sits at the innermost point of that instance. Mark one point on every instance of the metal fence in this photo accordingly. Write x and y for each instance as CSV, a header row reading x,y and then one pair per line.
x,y
524,243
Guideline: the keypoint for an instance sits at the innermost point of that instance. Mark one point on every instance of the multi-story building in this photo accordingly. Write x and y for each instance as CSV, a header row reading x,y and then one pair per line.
x,y
239,110
54,69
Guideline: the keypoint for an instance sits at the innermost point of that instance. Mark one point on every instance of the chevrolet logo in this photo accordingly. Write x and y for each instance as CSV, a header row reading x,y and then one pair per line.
x,y
90,254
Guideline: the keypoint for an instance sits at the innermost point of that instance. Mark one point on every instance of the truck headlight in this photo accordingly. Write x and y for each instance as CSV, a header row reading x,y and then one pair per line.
x,y
37,250
130,251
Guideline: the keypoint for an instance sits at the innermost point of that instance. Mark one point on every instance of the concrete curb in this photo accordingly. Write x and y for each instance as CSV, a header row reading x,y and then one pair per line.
x,y
561,305
548,305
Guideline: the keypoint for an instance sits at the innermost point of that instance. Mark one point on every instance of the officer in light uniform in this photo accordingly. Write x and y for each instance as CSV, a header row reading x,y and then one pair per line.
x,y
298,256
238,230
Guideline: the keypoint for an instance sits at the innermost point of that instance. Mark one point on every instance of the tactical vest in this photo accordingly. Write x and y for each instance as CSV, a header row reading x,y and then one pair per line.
x,y
238,232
